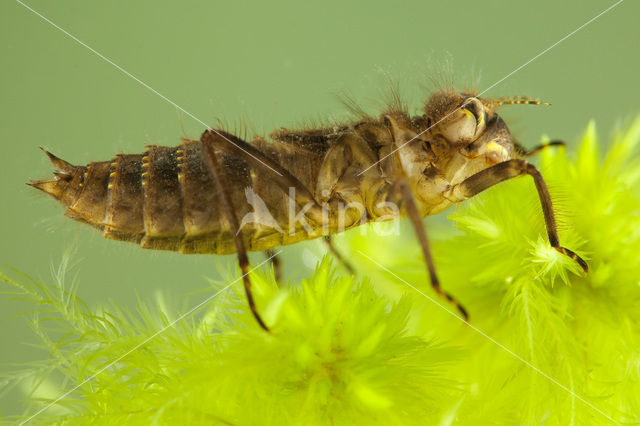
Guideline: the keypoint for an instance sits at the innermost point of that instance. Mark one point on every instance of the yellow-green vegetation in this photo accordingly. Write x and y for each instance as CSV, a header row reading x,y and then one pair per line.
x,y
546,344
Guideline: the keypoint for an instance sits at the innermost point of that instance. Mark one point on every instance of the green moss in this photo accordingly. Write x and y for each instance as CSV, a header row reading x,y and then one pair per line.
x,y
565,349
583,331
321,363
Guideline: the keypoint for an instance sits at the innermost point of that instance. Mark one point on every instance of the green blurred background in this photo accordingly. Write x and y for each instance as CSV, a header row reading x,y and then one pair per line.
x,y
261,65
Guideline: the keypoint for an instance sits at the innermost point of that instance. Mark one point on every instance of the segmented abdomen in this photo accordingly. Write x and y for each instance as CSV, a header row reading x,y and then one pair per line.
x,y
167,199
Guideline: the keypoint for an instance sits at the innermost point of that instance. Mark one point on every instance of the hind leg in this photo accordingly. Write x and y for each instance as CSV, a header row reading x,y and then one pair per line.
x,y
227,207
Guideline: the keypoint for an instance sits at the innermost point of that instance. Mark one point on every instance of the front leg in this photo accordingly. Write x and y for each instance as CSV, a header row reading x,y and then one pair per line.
x,y
507,170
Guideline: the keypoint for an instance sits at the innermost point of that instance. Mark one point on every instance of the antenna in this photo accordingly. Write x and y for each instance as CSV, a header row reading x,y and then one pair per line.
x,y
516,100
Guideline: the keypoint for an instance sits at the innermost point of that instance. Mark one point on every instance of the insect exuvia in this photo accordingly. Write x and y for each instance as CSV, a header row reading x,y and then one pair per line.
x,y
220,194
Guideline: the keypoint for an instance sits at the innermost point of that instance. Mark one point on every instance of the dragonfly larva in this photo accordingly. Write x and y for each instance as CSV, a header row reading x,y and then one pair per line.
x,y
221,195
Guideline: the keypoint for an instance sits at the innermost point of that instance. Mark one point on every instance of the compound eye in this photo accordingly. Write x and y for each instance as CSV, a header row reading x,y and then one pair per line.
x,y
466,123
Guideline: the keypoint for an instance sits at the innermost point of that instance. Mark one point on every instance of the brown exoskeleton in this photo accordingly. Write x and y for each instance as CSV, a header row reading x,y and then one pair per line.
x,y
220,194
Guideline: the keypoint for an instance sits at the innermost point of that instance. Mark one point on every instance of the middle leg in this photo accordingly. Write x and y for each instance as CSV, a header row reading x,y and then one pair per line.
x,y
276,263
418,226
337,255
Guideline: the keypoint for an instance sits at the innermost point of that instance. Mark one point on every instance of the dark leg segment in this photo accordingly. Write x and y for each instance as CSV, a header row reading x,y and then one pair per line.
x,y
338,256
414,215
507,170
276,263
418,225
229,212
536,149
